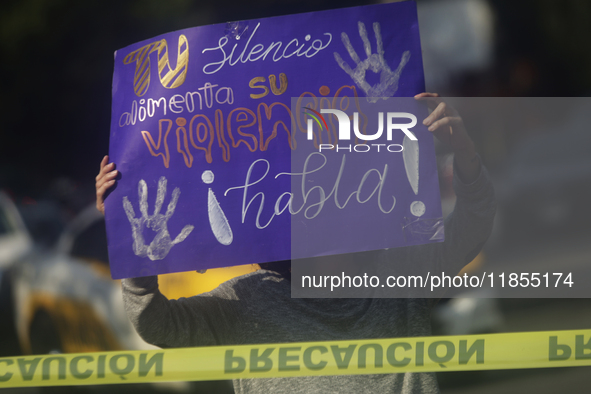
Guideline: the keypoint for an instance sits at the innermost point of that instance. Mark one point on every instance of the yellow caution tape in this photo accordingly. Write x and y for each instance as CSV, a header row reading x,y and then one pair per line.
x,y
371,356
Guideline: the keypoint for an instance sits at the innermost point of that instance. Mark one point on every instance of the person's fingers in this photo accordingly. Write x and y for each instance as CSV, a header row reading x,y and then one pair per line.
x,y
100,192
106,178
104,162
111,175
447,121
426,95
101,189
105,169
431,99
437,113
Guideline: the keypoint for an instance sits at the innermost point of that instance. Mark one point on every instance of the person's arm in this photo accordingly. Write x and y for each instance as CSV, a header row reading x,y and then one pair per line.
x,y
195,321
202,320
470,224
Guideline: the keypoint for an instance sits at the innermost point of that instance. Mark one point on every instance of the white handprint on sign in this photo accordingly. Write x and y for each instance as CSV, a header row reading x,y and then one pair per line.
x,y
375,62
162,243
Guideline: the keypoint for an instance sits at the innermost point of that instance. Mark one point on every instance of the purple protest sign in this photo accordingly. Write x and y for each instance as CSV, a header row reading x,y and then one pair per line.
x,y
203,127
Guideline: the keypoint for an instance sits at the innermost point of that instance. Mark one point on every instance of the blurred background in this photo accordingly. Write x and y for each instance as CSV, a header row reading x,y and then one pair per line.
x,y
56,294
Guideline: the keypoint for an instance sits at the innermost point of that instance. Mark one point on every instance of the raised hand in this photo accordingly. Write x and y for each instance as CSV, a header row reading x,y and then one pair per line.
x,y
104,180
375,62
162,243
446,124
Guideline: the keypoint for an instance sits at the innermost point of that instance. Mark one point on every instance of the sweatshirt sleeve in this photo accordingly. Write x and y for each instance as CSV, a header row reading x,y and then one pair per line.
x,y
469,225
475,204
201,320
466,230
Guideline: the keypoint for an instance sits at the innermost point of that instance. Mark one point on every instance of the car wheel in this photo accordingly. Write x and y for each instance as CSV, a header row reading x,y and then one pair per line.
x,y
43,334
9,345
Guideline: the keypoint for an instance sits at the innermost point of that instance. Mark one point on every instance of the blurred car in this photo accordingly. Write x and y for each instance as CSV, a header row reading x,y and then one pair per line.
x,y
14,238
66,301
475,311
15,243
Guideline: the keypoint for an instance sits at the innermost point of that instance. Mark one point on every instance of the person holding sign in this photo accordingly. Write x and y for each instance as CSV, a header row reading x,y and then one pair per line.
x,y
257,308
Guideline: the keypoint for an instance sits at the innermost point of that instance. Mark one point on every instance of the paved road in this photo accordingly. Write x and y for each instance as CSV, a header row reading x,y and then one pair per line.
x,y
531,315
568,253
